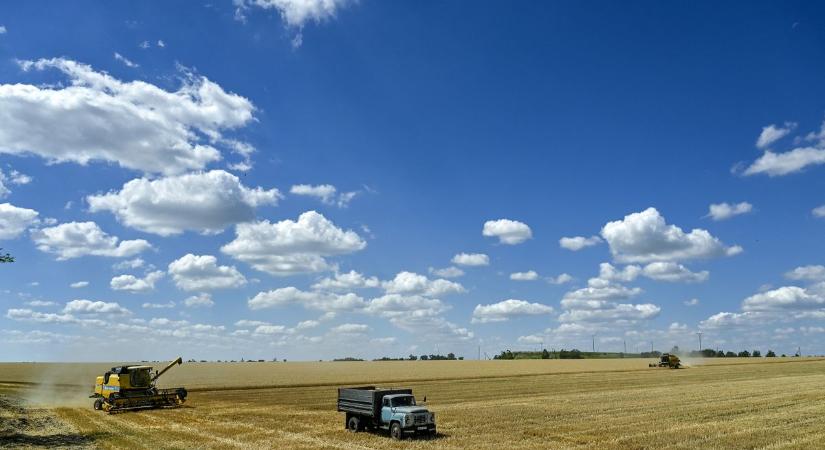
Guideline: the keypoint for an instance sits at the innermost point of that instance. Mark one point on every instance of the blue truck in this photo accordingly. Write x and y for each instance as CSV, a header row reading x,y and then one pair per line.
x,y
393,410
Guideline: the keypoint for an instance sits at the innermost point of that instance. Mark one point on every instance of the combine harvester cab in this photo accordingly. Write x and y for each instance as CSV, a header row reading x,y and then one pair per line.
x,y
133,387
668,360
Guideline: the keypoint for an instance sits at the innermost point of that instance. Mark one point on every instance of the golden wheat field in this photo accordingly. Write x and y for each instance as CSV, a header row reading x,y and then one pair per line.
x,y
587,404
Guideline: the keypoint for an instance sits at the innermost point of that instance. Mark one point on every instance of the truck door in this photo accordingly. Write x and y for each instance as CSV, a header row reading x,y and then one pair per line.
x,y
386,410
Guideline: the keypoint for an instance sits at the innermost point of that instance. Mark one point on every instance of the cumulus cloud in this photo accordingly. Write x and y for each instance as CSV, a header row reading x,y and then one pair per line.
x,y
3,29
471,259
724,211
673,272
322,301
577,243
206,202
398,306
14,177
295,13
350,328
411,283
560,279
14,220
510,232
602,301
28,315
447,272
79,284
792,161
691,302
132,283
530,275
94,307
158,305
326,193
645,237
728,320
202,272
773,133
202,300
289,247
136,125
135,263
346,281
819,211
504,310
808,273
784,298
76,239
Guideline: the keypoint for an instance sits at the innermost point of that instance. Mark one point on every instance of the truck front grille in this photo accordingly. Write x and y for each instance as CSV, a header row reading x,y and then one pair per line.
x,y
420,419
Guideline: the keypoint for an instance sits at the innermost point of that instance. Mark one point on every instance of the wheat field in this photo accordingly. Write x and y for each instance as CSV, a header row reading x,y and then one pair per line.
x,y
586,404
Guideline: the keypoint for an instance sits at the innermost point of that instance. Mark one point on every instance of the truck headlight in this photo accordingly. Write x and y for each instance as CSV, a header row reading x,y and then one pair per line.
x,y
432,417
408,419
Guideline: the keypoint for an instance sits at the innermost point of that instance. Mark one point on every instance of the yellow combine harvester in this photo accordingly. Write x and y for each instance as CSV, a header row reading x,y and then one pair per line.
x,y
133,387
668,360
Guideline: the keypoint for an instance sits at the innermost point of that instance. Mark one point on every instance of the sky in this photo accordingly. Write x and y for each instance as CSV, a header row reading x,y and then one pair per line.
x,y
311,179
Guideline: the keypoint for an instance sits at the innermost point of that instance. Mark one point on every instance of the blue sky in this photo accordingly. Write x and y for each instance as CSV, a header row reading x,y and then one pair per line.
x,y
291,178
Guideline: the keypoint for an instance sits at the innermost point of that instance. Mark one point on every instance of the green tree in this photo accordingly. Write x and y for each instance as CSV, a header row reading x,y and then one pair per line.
x,y
770,354
744,354
545,354
720,354
730,354
6,258
756,354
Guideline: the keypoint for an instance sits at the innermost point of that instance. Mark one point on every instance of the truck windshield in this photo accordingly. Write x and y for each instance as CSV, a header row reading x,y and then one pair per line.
x,y
407,400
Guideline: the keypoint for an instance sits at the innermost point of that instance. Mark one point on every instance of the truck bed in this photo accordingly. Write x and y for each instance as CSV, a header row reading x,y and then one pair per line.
x,y
365,400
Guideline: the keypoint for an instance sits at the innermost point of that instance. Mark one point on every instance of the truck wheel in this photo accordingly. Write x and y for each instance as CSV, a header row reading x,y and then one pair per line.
x,y
98,404
354,424
395,431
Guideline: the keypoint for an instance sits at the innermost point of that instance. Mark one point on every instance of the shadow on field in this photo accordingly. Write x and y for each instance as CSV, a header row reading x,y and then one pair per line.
x,y
17,440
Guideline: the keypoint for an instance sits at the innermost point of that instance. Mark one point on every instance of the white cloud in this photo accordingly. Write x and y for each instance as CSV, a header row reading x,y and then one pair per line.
x,y
134,124
34,316
327,193
307,324
14,220
645,237
79,284
691,302
14,177
808,273
531,339
612,312
819,211
724,211
504,310
609,272
773,133
410,283
3,29
530,275
784,298
560,279
296,13
471,259
134,284
94,307
728,320
447,272
322,301
346,281
510,232
577,243
350,328
206,202
76,239
135,263
202,272
202,300
161,44
271,329
777,164
289,247
40,303
158,305
398,306
126,61
673,272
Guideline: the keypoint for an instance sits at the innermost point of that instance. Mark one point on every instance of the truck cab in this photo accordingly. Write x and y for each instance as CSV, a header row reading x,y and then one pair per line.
x,y
393,410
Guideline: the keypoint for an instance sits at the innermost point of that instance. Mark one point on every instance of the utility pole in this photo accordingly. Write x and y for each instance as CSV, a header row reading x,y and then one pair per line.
x,y
594,343
699,333
625,345
479,352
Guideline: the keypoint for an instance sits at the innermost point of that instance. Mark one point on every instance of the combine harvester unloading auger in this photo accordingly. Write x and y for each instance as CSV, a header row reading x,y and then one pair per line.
x,y
133,387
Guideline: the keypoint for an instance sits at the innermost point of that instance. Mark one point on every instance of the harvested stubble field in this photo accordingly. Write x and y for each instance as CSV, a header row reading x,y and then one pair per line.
x,y
725,403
